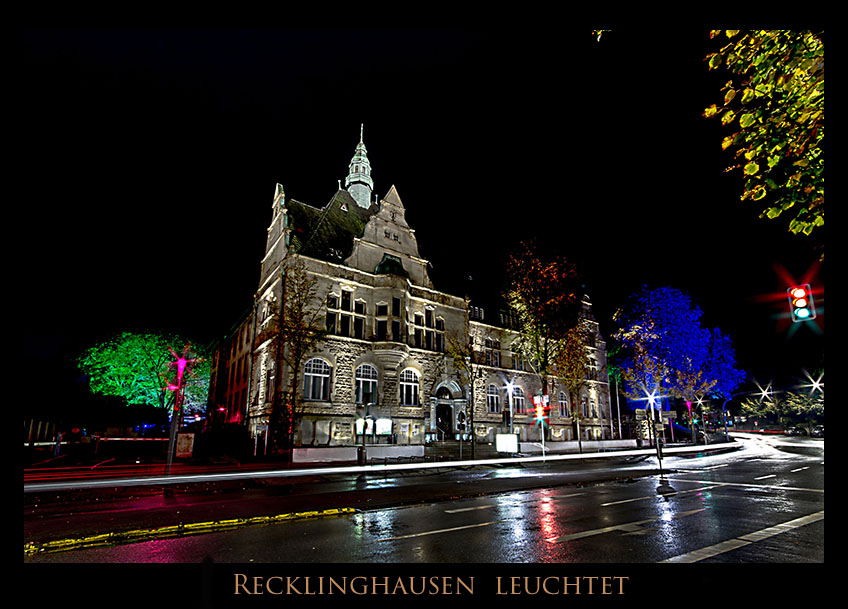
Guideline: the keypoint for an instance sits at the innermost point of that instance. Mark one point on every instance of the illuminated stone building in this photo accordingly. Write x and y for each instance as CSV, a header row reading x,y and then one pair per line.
x,y
386,365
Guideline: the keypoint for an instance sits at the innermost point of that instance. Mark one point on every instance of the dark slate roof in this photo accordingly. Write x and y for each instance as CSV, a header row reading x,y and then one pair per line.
x,y
327,233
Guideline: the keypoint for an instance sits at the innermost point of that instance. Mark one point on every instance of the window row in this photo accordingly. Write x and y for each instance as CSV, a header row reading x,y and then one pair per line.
x,y
346,317
519,403
316,383
316,387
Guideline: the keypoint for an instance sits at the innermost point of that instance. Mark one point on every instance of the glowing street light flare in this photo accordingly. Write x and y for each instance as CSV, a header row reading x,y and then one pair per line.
x,y
815,384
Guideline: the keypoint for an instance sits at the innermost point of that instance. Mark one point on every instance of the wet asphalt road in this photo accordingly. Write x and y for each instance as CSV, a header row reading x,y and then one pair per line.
x,y
762,503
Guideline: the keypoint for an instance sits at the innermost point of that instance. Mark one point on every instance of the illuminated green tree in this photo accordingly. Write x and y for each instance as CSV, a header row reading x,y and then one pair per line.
x,y
775,105
134,366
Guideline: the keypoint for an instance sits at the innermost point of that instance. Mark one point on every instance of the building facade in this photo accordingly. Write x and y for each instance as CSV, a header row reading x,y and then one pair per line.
x,y
388,365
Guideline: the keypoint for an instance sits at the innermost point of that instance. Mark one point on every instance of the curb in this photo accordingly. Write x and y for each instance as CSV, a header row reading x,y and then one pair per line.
x,y
173,531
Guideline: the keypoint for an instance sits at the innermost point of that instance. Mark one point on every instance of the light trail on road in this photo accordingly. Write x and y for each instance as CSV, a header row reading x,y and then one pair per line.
x,y
177,478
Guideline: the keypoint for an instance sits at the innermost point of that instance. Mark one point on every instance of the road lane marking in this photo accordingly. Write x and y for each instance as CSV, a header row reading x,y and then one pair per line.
x,y
766,477
694,490
471,509
494,505
751,485
744,540
800,469
450,530
629,528
173,531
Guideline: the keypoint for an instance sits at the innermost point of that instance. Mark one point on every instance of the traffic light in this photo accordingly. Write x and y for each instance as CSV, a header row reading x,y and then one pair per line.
x,y
801,305
542,410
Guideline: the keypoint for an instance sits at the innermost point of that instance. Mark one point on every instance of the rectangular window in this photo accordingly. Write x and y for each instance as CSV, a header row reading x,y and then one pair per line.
x,y
345,300
408,394
396,331
344,325
359,327
366,391
316,387
381,329
382,310
395,306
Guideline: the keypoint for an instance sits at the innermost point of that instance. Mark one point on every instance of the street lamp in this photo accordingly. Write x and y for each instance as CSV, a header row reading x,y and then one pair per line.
x,y
181,363
510,385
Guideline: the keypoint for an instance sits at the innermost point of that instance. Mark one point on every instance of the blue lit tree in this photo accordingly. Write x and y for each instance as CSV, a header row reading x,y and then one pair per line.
x,y
661,339
721,366
664,349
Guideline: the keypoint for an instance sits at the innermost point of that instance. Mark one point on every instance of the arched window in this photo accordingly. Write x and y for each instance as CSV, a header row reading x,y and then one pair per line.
x,y
366,384
493,399
409,388
563,404
518,399
316,380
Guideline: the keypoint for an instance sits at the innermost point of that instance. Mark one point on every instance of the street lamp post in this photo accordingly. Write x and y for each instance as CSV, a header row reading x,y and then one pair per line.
x,y
181,363
509,388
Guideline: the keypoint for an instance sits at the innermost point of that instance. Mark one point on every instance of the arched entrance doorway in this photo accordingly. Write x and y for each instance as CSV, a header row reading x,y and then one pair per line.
x,y
444,414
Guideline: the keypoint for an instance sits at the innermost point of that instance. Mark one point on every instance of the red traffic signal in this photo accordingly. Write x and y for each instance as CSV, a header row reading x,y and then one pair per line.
x,y
801,306
542,410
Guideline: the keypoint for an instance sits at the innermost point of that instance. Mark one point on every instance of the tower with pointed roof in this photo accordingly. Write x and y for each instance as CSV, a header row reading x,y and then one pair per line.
x,y
358,182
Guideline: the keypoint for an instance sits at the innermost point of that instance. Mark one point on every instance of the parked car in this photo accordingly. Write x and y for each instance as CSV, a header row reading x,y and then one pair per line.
x,y
818,431
794,431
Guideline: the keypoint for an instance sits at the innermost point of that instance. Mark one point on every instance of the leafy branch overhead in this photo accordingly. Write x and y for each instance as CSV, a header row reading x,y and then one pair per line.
x,y
775,103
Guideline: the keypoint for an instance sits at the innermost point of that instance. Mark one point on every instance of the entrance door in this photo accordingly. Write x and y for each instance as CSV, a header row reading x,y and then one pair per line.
x,y
444,421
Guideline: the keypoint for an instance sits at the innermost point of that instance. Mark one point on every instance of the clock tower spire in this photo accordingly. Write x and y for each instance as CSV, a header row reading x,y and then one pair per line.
x,y
358,182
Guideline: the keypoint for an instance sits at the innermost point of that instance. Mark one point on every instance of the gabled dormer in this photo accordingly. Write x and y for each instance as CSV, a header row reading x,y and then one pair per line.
x,y
388,244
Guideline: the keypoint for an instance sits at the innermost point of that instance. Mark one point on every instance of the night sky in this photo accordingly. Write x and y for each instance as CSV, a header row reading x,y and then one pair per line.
x,y
151,158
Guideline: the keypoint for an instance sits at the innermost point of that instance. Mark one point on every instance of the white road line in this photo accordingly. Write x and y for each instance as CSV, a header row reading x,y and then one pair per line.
x,y
471,509
800,469
765,477
422,534
751,485
694,490
494,505
630,528
744,540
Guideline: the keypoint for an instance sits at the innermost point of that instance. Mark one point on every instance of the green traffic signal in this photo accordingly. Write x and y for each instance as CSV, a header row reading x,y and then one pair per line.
x,y
801,306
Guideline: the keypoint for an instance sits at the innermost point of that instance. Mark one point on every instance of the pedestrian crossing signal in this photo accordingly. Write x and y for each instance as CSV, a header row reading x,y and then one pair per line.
x,y
801,306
